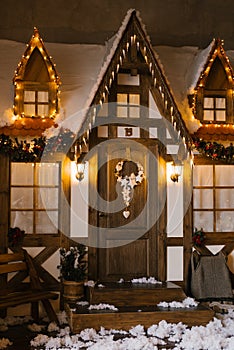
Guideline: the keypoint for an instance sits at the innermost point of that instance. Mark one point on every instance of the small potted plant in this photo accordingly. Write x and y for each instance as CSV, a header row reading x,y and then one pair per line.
x,y
73,271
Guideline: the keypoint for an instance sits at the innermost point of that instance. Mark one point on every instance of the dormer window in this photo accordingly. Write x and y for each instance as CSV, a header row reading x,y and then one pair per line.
x,y
214,109
36,82
213,99
36,103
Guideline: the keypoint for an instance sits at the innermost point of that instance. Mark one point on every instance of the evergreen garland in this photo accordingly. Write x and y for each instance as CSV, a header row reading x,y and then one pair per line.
x,y
215,150
24,151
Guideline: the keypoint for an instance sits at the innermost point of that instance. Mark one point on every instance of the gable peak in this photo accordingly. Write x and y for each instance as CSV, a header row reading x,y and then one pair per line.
x,y
216,52
36,42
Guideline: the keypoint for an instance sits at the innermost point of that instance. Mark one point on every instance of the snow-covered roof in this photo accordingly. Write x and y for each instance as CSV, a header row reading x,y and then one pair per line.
x,y
183,67
81,68
77,65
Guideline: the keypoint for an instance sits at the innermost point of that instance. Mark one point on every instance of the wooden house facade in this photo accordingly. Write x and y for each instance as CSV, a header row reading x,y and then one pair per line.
x,y
156,141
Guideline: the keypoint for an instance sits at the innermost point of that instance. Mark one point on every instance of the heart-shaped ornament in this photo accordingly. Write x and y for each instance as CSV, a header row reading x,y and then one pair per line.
x,y
126,213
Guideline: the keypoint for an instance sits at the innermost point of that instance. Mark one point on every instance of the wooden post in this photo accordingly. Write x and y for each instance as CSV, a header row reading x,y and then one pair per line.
x,y
4,208
187,222
4,200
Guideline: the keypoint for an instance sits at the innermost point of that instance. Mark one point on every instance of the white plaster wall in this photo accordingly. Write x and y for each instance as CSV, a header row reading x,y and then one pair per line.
x,y
79,203
174,225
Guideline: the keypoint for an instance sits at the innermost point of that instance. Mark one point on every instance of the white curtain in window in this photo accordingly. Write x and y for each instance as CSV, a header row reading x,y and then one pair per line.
x,y
43,96
29,96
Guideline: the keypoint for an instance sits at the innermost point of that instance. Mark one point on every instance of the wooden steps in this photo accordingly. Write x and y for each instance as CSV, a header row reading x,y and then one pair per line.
x,y
127,293
136,304
125,318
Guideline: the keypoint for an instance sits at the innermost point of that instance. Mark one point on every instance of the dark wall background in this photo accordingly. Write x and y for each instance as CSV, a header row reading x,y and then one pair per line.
x,y
168,22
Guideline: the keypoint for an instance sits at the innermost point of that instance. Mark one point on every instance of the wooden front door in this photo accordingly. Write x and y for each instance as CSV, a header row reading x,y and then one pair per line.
x,y
129,247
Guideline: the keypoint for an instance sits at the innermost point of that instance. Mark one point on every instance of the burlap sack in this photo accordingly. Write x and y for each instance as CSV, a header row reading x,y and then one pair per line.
x,y
210,277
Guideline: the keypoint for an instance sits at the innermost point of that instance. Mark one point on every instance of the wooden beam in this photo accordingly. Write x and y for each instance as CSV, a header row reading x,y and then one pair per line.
x,y
4,200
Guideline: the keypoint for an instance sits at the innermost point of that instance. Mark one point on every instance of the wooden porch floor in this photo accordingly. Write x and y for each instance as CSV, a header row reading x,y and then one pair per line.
x,y
136,304
80,318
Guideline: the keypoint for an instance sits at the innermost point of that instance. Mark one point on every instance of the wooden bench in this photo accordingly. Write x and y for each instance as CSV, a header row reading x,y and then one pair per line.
x,y
18,293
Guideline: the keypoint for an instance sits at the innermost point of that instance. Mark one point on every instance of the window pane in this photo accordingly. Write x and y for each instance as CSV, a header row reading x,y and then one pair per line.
x,y
203,175
47,198
225,198
48,174
47,222
22,173
134,99
43,96
21,198
23,220
29,96
208,102
220,102
202,199
220,116
122,112
29,109
224,221
224,175
134,112
43,110
122,98
204,220
208,115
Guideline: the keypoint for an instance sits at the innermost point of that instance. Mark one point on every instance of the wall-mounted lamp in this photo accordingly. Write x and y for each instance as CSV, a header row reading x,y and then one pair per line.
x,y
175,171
80,166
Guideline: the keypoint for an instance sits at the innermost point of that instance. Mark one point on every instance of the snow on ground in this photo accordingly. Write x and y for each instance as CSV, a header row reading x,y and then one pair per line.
x,y
216,335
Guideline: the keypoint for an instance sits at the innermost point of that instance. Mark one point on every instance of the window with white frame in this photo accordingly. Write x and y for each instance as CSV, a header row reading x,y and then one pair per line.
x,y
35,197
213,198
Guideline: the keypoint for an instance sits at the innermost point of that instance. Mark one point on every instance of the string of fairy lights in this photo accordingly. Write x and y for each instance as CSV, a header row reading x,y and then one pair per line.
x,y
136,38
35,42
158,82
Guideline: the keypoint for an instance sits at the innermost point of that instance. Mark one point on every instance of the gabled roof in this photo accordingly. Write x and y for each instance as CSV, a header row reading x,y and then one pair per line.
x,y
132,32
184,67
36,42
216,50
24,127
84,70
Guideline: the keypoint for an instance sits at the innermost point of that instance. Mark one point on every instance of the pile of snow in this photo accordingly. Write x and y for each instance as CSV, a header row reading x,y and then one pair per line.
x,y
149,280
186,303
102,306
217,334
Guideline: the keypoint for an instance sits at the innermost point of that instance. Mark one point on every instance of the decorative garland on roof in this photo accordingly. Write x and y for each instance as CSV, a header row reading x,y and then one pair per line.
x,y
24,151
215,150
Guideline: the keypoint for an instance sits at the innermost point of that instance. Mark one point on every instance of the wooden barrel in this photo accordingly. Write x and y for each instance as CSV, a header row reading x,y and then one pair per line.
x,y
73,291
